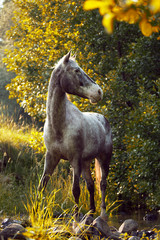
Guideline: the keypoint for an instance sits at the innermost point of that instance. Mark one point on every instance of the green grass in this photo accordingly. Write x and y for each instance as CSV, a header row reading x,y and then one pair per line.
x,y
23,164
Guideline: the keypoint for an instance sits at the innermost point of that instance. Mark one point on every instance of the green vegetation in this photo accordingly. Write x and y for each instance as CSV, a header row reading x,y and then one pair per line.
x,y
19,164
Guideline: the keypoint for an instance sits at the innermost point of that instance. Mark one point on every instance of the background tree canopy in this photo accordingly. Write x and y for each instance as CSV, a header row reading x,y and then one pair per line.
x,y
127,66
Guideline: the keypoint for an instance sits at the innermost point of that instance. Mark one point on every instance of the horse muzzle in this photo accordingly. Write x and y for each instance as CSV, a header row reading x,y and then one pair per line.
x,y
97,96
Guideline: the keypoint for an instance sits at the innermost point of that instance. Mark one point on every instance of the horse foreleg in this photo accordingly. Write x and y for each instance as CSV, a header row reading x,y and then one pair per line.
x,y
86,173
75,187
51,162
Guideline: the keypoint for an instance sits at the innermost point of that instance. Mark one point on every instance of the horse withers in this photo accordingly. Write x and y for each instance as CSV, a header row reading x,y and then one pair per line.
x,y
76,136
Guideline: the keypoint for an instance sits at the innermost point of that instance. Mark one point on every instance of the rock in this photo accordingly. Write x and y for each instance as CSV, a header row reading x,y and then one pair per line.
x,y
13,230
128,226
134,238
8,221
87,219
102,227
84,227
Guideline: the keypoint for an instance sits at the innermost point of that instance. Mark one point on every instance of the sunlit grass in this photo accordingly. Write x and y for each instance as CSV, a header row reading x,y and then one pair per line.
x,y
20,133
41,210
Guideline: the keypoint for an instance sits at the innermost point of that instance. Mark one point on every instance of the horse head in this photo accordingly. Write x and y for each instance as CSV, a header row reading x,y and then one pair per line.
x,y
74,80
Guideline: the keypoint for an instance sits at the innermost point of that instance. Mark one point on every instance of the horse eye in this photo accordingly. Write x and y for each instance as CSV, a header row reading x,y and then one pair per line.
x,y
77,70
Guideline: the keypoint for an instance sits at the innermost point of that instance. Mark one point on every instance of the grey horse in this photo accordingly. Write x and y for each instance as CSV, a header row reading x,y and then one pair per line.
x,y
76,136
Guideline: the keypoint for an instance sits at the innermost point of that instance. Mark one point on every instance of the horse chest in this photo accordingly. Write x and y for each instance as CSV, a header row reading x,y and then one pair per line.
x,y
63,143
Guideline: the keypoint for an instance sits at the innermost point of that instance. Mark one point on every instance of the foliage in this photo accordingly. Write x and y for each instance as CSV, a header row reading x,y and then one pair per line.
x,y
13,193
4,80
136,133
6,14
145,12
39,34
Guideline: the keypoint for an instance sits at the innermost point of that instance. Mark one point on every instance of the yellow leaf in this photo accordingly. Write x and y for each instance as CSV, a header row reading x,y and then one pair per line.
x,y
155,5
108,22
156,28
131,16
89,5
146,27
104,6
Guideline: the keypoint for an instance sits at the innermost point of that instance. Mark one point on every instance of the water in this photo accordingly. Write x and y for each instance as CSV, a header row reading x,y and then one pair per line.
x,y
117,220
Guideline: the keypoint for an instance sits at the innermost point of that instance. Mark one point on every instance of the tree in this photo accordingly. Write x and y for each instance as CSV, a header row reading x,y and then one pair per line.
x,y
134,92
41,36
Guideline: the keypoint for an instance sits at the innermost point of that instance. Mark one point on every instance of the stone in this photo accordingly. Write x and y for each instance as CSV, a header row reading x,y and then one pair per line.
x,y
102,227
128,226
87,219
8,221
13,230
84,227
134,238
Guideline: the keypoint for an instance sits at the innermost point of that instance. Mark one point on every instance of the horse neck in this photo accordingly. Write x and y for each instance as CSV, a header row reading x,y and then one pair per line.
x,y
56,105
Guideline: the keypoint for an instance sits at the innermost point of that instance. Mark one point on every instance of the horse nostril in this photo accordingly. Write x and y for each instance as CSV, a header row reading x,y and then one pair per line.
x,y
99,92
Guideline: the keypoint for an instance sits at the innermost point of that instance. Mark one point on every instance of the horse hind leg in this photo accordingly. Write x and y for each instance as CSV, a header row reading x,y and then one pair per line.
x,y
104,161
51,162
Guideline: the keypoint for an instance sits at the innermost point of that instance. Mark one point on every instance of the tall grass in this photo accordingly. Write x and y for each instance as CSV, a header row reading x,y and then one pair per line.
x,y
18,163
41,215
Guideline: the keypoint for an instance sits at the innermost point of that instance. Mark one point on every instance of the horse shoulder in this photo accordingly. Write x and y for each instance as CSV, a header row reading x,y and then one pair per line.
x,y
97,127
96,121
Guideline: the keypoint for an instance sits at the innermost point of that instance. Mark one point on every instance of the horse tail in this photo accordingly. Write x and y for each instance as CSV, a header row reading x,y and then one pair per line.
x,y
98,174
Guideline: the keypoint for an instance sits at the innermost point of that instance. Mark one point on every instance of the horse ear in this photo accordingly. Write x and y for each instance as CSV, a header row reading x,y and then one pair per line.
x,y
74,56
66,58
